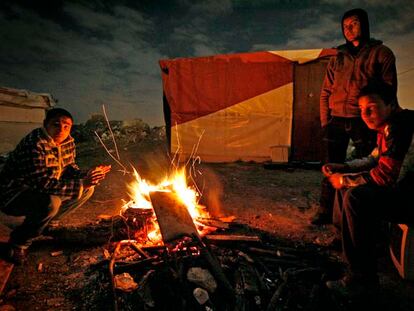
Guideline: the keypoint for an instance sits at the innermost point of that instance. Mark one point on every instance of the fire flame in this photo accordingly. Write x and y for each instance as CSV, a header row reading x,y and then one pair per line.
x,y
139,192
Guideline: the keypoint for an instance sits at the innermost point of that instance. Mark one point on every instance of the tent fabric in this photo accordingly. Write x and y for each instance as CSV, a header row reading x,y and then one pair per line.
x,y
232,107
239,132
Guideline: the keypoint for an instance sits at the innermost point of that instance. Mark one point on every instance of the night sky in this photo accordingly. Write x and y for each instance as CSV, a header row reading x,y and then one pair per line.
x,y
89,53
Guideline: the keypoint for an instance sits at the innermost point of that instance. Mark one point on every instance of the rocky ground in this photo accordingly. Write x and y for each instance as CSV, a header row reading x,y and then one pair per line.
x,y
278,202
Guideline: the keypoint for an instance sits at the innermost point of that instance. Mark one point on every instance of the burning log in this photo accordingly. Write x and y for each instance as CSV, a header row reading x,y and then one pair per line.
x,y
172,215
119,227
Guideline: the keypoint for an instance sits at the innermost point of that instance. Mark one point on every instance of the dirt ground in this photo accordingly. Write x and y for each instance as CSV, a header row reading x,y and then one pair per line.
x,y
276,201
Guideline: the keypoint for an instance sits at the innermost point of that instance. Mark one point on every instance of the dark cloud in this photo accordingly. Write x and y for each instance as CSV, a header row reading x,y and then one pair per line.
x,y
89,53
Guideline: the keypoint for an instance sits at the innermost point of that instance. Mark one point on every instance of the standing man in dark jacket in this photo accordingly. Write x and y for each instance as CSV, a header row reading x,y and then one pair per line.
x,y
358,61
41,181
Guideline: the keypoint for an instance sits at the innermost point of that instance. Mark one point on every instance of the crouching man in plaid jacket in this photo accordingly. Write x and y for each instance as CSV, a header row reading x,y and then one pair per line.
x,y
41,181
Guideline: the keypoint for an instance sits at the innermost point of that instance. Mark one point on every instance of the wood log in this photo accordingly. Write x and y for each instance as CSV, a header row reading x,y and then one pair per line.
x,y
91,234
116,228
284,262
216,270
276,302
277,253
213,223
231,238
173,217
145,263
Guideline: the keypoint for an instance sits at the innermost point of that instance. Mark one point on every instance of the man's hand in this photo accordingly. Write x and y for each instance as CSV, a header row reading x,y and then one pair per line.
x,y
331,168
336,180
94,176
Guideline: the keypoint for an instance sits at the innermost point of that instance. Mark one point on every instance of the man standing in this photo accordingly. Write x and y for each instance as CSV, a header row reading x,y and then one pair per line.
x,y
378,187
358,61
40,180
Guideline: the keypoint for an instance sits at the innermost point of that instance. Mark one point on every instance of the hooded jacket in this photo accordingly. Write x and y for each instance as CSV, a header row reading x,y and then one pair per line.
x,y
351,69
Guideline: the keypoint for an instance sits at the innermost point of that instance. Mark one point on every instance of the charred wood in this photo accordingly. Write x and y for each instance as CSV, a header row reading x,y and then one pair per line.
x,y
232,238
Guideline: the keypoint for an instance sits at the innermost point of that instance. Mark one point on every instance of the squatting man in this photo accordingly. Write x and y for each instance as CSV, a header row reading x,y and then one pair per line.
x,y
41,181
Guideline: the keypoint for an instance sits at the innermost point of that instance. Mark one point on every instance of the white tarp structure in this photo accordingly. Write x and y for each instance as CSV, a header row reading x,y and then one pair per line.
x,y
20,112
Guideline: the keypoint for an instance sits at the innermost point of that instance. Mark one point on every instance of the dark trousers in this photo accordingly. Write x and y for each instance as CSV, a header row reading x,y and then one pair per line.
x,y
357,214
39,209
337,134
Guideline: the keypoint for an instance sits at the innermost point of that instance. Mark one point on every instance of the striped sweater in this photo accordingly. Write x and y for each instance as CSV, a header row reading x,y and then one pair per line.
x,y
393,158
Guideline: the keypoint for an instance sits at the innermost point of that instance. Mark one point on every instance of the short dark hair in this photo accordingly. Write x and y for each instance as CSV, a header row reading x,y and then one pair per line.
x,y
385,91
57,112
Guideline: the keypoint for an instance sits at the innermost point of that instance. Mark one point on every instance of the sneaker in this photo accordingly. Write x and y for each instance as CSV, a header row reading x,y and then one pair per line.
x,y
354,287
335,244
17,254
320,219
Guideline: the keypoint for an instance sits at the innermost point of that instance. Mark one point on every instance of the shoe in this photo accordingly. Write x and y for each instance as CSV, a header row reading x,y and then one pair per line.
x,y
354,287
335,244
17,254
320,219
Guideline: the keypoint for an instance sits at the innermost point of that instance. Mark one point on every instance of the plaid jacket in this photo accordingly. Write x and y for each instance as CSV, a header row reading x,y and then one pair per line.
x,y
38,164
392,159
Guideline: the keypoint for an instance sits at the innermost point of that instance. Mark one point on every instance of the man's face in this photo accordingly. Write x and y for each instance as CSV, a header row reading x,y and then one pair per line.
x,y
352,28
59,128
374,111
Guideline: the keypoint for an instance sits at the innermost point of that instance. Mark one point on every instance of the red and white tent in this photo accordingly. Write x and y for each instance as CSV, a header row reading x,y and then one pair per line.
x,y
233,107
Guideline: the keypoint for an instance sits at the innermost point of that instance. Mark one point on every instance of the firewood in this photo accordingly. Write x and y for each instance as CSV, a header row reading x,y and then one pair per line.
x,y
135,247
213,223
284,262
276,302
145,263
172,215
230,238
277,253
215,267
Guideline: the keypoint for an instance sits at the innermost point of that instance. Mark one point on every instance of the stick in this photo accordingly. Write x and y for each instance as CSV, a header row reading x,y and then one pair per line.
x,y
215,266
228,237
106,149
112,134
111,272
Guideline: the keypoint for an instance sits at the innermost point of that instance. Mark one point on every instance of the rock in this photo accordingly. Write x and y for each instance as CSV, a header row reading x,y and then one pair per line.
x,y
203,278
201,295
125,282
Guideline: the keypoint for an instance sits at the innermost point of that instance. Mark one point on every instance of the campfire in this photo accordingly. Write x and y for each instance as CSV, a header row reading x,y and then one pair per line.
x,y
173,201
166,252
172,260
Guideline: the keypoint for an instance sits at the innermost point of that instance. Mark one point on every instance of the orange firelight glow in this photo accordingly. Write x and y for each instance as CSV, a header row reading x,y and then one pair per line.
x,y
139,192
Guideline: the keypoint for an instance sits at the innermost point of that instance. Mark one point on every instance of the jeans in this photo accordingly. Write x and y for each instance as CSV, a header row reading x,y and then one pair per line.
x,y
337,134
39,209
357,215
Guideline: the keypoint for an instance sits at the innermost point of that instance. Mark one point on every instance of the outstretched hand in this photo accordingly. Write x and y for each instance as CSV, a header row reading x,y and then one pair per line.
x,y
95,175
332,168
336,180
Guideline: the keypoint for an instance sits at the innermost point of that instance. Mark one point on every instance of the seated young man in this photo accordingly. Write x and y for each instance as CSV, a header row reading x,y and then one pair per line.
x,y
375,188
40,180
